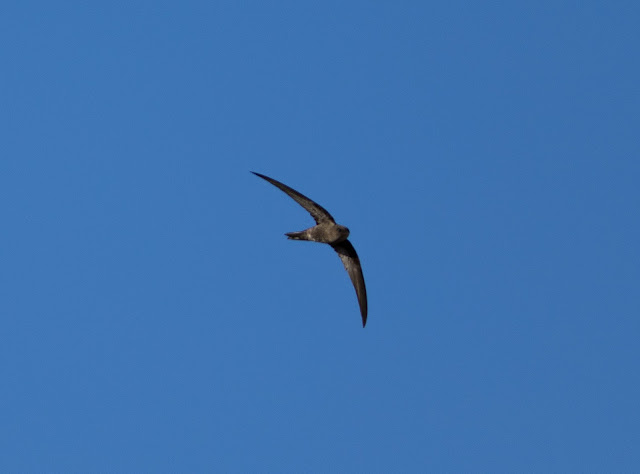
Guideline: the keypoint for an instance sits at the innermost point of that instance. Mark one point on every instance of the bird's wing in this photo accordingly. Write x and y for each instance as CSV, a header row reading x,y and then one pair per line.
x,y
318,212
351,263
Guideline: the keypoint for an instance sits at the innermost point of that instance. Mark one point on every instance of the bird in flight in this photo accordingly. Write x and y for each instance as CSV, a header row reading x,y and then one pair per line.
x,y
328,232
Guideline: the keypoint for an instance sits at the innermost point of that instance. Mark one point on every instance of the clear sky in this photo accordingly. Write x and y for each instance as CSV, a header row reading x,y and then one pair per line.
x,y
154,318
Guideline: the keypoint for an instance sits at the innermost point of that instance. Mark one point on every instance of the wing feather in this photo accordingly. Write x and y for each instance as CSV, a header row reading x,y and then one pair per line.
x,y
318,212
351,263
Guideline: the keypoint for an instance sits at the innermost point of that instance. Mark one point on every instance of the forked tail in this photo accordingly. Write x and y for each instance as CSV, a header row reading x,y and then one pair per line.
x,y
296,235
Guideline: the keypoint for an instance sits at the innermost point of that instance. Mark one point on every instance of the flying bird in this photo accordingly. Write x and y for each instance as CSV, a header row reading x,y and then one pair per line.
x,y
328,232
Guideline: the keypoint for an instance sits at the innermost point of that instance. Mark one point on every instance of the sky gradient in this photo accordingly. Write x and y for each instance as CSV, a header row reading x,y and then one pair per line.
x,y
154,318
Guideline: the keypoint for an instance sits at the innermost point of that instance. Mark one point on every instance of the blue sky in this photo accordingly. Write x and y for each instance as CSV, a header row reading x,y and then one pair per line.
x,y
154,318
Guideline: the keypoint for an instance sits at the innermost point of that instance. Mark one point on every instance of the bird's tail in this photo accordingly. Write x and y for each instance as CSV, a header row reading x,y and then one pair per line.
x,y
296,235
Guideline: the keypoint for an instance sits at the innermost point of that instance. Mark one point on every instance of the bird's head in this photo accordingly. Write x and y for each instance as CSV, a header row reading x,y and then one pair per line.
x,y
343,231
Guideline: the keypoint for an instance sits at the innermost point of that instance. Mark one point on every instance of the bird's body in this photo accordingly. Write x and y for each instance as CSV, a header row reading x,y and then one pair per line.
x,y
325,233
328,232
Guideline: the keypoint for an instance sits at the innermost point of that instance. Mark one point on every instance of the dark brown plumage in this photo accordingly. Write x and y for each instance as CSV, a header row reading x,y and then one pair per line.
x,y
328,232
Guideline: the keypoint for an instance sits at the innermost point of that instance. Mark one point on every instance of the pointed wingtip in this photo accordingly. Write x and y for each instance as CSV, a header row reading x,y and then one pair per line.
x,y
259,175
